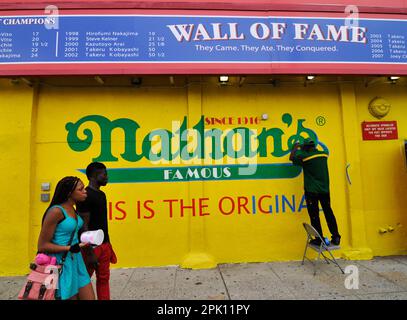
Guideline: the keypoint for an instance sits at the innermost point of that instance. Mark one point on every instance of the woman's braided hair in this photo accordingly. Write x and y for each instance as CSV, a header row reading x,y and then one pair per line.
x,y
62,192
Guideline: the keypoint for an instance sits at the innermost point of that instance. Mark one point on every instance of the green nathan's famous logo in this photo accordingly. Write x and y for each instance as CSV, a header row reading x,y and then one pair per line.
x,y
206,153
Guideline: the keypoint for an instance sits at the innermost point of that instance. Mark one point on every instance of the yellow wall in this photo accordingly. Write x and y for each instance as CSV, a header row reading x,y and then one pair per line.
x,y
16,107
384,173
34,135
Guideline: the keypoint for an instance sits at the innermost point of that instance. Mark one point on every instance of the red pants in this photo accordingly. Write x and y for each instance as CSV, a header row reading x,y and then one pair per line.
x,y
105,256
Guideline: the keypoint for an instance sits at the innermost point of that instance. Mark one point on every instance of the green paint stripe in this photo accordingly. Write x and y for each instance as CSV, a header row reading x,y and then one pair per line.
x,y
205,173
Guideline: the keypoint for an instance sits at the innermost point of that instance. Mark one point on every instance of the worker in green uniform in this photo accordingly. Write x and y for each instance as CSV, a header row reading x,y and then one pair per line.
x,y
316,186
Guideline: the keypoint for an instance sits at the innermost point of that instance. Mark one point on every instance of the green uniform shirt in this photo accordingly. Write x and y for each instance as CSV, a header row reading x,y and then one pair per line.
x,y
315,167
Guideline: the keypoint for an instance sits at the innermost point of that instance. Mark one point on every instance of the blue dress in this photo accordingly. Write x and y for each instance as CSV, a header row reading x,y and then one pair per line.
x,y
74,274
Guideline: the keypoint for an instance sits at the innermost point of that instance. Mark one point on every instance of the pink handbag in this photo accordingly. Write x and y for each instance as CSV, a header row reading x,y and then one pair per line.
x,y
41,283
43,279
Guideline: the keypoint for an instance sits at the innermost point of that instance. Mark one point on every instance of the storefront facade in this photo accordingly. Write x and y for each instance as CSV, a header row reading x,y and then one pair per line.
x,y
198,168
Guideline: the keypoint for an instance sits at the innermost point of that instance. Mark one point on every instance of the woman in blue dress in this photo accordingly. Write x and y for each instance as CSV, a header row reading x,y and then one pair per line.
x,y
60,225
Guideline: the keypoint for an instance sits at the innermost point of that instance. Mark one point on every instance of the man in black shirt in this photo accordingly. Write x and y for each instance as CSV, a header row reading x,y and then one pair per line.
x,y
94,213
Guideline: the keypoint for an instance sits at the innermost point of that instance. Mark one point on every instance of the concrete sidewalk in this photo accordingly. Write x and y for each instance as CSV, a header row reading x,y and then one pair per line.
x,y
383,278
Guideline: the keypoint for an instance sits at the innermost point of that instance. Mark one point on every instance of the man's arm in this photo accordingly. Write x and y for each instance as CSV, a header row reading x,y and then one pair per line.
x,y
85,217
295,148
88,250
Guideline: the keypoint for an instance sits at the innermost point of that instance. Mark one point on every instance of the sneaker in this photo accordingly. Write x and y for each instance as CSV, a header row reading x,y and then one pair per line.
x,y
336,240
315,242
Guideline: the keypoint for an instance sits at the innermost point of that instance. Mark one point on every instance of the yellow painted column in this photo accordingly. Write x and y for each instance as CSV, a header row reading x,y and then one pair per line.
x,y
354,194
198,257
16,105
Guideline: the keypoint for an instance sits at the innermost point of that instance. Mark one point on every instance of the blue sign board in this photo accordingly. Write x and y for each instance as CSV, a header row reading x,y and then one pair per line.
x,y
197,39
